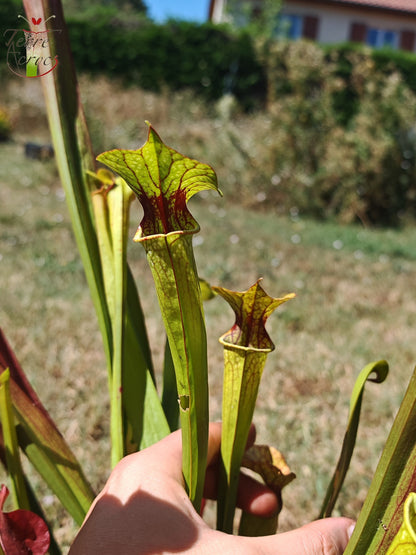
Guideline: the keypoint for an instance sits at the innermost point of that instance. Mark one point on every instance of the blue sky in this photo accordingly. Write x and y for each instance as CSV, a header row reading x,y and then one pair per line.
x,y
193,10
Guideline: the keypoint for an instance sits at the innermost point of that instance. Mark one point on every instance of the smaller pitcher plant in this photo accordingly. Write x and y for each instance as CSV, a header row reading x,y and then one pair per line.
x,y
246,347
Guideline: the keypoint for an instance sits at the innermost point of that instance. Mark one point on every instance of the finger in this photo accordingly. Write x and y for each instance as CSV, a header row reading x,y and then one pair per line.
x,y
256,498
166,455
214,442
322,537
253,497
214,446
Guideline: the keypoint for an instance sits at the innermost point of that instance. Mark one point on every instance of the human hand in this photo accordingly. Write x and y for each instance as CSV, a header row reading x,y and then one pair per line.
x,y
144,509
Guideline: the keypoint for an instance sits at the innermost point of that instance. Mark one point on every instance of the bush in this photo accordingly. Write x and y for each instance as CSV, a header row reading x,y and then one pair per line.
x,y
304,158
9,10
386,61
5,125
204,58
370,167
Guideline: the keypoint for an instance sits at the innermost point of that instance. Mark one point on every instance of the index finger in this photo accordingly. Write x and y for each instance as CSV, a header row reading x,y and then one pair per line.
x,y
214,441
165,456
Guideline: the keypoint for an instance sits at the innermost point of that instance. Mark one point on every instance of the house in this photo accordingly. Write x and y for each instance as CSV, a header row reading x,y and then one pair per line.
x,y
376,23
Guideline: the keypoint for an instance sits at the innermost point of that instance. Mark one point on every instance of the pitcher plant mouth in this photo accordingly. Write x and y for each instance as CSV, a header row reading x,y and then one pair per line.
x,y
252,308
248,349
140,238
163,180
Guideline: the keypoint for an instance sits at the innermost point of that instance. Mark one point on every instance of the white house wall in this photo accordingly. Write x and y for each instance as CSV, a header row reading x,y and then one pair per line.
x,y
335,24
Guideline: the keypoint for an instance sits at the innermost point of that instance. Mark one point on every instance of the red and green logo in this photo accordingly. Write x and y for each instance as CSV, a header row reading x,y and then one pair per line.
x,y
28,51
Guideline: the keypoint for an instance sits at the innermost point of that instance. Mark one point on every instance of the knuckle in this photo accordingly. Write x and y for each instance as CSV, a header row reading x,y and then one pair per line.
x,y
327,545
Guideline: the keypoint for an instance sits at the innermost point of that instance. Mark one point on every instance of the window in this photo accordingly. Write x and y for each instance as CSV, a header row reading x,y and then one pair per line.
x,y
298,26
291,26
377,38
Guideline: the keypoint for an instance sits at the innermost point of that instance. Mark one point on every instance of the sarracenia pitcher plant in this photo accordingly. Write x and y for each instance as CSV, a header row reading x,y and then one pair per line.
x,y
164,181
246,347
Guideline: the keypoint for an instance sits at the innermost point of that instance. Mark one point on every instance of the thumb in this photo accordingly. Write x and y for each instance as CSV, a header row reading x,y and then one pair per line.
x,y
322,537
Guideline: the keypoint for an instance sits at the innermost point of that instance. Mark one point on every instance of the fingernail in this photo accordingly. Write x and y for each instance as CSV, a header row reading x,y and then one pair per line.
x,y
350,530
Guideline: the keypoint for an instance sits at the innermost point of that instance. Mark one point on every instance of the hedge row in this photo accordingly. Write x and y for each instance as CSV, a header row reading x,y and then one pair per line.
x,y
177,55
211,60
385,60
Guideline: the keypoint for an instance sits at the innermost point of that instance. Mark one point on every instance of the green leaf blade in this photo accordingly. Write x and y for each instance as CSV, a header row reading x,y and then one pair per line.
x,y
395,477
375,372
170,392
43,444
73,152
11,446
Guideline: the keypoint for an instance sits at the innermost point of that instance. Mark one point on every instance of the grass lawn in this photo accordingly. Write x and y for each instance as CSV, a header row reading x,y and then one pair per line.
x,y
354,303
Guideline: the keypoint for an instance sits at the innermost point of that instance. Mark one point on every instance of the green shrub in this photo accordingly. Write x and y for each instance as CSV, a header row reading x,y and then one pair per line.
x,y
370,166
9,10
304,158
178,55
386,61
5,125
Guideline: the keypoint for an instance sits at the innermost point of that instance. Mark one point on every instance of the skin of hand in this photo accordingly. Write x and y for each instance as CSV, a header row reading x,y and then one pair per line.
x,y
144,509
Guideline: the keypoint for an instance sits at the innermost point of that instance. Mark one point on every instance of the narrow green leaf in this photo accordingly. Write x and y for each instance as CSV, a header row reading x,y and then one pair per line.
x,y
72,148
119,203
7,358
75,160
136,321
131,354
156,426
374,372
52,458
164,181
395,477
114,286
246,346
11,445
42,442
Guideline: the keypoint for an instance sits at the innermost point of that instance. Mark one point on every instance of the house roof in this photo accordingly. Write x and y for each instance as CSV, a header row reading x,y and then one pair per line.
x,y
405,6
